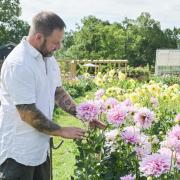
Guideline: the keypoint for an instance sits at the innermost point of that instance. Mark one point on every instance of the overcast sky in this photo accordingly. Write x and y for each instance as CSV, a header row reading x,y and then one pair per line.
x,y
72,11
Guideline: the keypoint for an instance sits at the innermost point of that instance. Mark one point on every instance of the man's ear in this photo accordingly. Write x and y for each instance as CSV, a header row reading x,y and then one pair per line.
x,y
39,38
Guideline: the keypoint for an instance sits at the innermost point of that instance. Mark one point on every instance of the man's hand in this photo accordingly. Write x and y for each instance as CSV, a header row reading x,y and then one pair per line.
x,y
98,124
71,132
34,117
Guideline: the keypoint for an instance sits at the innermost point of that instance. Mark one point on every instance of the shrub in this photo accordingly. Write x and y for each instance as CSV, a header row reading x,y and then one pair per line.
x,y
79,87
167,79
139,73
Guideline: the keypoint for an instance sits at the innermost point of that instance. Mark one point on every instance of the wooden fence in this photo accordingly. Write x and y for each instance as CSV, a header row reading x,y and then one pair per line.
x,y
71,66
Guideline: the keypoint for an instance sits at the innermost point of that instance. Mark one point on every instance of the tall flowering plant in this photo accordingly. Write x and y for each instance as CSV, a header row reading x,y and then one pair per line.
x,y
129,147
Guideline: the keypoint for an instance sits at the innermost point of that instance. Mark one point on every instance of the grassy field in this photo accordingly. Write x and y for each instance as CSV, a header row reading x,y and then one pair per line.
x,y
64,157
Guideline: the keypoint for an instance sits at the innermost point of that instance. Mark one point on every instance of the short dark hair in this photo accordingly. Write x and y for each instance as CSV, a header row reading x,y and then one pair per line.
x,y
46,22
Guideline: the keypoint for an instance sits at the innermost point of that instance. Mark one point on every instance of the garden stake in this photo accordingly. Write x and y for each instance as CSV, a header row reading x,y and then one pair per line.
x,y
52,146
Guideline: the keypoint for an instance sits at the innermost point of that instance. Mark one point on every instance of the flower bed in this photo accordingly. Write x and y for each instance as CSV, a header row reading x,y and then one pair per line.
x,y
142,137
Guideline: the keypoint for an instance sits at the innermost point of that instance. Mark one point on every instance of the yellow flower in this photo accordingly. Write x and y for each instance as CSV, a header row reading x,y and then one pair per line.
x,y
132,81
174,88
154,89
137,105
152,82
105,78
110,79
126,96
165,97
99,74
121,97
109,91
175,97
98,82
121,76
142,92
112,72
118,90
104,97
133,97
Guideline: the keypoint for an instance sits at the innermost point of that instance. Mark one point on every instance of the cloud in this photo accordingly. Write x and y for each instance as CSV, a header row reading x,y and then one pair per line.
x,y
165,11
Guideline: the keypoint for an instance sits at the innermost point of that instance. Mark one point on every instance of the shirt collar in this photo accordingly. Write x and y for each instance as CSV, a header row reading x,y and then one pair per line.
x,y
33,51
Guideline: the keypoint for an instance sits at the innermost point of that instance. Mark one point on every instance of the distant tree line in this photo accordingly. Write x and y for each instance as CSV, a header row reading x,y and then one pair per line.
x,y
135,40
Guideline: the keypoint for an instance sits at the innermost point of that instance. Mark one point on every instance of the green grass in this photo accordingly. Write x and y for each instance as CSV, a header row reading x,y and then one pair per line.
x,y
64,157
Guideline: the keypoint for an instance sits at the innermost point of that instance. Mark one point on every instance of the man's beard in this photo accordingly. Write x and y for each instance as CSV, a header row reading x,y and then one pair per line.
x,y
43,50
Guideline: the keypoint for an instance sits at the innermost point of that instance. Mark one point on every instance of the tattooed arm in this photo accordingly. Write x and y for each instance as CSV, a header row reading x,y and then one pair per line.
x,y
65,101
34,117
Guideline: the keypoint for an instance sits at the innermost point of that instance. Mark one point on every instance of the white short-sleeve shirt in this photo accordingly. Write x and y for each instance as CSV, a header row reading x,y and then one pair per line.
x,y
26,78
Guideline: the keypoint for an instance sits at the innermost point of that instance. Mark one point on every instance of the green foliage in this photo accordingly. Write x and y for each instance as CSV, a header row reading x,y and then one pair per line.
x,y
134,40
90,150
78,88
11,27
139,73
96,161
167,79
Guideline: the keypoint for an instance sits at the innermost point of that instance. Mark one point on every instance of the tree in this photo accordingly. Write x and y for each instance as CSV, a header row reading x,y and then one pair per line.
x,y
146,37
11,27
135,40
97,39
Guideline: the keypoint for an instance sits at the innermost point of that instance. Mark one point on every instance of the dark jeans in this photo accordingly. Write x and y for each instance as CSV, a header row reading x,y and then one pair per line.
x,y
12,170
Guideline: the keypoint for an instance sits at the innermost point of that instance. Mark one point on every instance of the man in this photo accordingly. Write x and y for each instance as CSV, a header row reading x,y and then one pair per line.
x,y
30,86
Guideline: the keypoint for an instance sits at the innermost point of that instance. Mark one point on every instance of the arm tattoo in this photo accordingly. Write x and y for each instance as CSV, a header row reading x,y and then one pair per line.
x,y
64,100
34,117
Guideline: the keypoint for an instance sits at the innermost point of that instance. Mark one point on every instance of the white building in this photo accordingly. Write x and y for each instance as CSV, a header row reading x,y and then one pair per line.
x,y
167,61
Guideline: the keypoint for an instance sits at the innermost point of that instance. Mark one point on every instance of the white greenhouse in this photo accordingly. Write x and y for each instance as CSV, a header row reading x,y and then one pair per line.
x,y
167,61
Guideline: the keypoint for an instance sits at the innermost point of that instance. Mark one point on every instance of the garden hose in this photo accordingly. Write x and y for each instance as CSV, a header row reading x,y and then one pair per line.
x,y
52,146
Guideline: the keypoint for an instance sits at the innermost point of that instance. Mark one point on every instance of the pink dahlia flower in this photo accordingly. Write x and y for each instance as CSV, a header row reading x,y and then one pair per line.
x,y
127,102
175,132
87,111
144,118
99,93
155,165
127,177
116,115
101,105
175,157
111,135
166,151
111,103
172,140
154,101
143,148
173,144
131,135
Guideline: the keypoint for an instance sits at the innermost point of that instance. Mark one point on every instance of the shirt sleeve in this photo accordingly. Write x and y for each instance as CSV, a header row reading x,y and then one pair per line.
x,y
20,84
58,73
59,80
